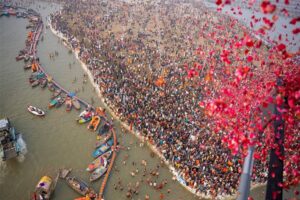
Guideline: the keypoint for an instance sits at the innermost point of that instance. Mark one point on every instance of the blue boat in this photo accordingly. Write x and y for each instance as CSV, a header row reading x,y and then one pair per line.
x,y
104,129
5,13
103,148
53,102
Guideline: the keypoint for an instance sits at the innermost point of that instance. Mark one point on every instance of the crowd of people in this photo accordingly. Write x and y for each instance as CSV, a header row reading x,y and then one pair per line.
x,y
145,56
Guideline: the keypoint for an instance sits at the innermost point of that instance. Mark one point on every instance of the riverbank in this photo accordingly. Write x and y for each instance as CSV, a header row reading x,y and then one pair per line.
x,y
142,138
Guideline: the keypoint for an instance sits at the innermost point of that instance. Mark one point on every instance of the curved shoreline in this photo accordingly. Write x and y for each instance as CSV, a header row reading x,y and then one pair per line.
x,y
133,131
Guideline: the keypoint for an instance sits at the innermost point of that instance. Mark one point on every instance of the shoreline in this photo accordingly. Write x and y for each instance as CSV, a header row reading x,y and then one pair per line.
x,y
133,131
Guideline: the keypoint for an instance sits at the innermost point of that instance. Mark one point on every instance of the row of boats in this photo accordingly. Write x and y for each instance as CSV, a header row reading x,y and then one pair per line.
x,y
95,118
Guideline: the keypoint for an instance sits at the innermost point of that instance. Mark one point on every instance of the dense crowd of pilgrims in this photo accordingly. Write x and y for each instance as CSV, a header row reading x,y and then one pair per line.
x,y
140,54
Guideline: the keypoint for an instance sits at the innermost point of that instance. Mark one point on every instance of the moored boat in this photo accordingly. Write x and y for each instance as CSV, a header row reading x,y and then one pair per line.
x,y
76,103
79,186
102,139
36,111
98,173
27,67
26,58
85,116
51,86
56,93
43,82
68,104
103,148
35,83
53,102
44,189
84,198
60,101
104,129
93,125
19,57
100,161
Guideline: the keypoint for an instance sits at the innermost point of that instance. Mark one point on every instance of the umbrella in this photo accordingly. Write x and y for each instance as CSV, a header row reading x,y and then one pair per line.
x,y
72,94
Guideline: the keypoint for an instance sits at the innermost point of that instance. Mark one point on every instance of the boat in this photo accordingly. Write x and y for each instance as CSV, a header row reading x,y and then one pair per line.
x,y
100,161
102,139
100,111
35,83
103,148
27,67
68,104
79,186
53,102
93,125
104,129
85,116
26,58
76,103
56,93
98,173
9,146
36,111
84,198
19,57
43,82
51,86
60,101
44,188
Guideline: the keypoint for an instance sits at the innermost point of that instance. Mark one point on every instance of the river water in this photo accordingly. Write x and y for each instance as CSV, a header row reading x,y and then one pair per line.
x,y
57,141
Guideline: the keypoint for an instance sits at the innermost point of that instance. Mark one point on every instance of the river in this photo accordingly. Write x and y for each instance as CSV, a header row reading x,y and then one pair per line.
x,y
57,141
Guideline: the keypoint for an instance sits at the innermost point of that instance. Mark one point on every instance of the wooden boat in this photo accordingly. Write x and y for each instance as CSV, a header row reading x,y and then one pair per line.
x,y
102,139
35,83
60,101
100,111
100,161
76,103
97,173
56,93
36,111
68,104
93,125
103,148
104,129
85,116
20,57
44,189
51,86
27,67
53,102
79,186
26,58
83,198
43,82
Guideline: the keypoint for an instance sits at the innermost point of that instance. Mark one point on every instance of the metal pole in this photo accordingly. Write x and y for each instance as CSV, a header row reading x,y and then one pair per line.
x,y
245,182
275,175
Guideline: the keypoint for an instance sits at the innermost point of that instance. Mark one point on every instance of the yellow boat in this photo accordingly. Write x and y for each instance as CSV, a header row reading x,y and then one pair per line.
x,y
43,189
83,198
93,125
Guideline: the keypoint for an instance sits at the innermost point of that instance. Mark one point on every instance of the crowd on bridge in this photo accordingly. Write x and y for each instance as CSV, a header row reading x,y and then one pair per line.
x,y
147,58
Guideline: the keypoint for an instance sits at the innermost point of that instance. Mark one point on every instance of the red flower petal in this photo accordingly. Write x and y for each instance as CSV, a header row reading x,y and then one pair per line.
x,y
267,7
295,20
296,31
218,2
281,47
